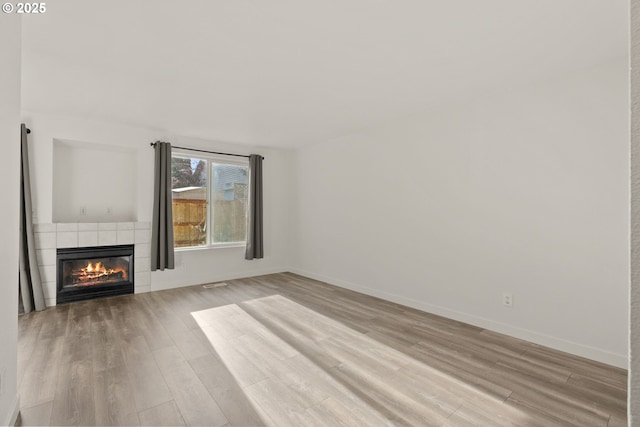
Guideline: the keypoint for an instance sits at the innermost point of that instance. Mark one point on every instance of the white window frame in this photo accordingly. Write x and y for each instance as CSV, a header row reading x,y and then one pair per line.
x,y
210,159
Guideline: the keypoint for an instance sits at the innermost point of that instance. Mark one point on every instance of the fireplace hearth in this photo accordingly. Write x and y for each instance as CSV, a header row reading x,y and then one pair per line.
x,y
94,272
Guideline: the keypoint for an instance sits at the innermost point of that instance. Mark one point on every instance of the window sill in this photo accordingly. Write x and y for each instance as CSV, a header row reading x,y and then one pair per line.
x,y
204,248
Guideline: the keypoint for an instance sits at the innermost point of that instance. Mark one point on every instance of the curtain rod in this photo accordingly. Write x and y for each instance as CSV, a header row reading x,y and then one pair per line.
x,y
153,144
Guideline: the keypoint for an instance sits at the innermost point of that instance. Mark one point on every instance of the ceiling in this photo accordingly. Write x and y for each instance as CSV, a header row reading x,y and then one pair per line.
x,y
289,73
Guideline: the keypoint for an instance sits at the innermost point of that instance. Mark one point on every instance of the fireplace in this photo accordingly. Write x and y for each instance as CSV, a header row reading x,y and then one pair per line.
x,y
86,273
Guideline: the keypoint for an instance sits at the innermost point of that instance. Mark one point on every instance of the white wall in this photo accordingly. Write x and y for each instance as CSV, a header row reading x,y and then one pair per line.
x,y
522,191
634,362
92,182
9,214
193,267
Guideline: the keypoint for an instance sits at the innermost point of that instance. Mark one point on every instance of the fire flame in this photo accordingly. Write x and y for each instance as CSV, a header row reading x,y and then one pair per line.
x,y
96,270
99,268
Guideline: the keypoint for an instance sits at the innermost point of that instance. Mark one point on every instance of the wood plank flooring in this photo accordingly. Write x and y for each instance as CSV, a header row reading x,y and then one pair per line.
x,y
283,350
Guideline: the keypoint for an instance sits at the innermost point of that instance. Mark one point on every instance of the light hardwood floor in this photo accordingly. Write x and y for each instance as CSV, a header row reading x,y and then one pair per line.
x,y
284,350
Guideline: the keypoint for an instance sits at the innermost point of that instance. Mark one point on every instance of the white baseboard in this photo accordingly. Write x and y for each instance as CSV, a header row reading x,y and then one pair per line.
x,y
599,355
221,278
12,417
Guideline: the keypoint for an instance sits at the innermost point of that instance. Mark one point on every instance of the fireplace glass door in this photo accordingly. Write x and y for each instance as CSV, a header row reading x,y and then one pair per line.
x,y
85,273
95,271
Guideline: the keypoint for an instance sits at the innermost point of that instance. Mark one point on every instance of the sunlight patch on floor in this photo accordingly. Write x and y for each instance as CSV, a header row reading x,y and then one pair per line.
x,y
299,367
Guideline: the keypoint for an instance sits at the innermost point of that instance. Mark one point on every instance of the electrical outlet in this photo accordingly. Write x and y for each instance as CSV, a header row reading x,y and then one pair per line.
x,y
507,300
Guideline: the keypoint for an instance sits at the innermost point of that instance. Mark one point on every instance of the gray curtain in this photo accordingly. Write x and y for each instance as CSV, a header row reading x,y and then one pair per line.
x,y
162,226
254,229
31,295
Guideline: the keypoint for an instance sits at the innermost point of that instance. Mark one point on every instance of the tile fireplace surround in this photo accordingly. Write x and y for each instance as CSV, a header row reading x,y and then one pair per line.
x,y
50,237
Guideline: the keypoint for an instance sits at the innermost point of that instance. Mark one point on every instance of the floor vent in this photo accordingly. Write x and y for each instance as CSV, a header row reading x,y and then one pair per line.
x,y
214,285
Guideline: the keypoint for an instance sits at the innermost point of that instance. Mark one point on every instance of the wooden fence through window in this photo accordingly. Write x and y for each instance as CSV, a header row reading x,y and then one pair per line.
x,y
190,221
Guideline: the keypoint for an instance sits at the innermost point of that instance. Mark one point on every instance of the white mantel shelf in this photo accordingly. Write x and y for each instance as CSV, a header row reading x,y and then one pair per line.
x,y
49,237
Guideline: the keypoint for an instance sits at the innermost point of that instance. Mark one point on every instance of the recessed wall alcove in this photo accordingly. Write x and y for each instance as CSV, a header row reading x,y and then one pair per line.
x,y
93,182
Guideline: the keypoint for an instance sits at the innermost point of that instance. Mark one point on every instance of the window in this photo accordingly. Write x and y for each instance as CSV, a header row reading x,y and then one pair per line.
x,y
209,201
